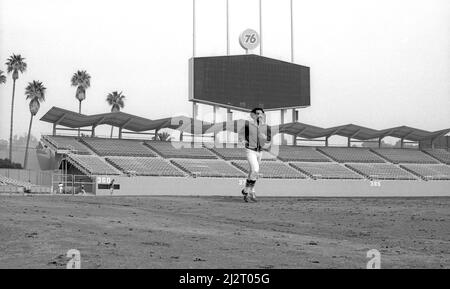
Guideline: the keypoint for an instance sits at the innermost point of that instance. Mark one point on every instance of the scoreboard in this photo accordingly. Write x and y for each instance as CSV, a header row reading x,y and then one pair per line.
x,y
246,81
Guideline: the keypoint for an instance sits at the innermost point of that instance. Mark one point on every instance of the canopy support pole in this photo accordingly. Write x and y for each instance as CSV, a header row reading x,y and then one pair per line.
x,y
93,131
214,121
229,120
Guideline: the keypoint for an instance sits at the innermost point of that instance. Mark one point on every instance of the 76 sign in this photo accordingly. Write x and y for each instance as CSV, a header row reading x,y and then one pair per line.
x,y
249,39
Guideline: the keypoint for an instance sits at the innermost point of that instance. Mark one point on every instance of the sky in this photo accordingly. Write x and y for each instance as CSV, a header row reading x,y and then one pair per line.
x,y
379,64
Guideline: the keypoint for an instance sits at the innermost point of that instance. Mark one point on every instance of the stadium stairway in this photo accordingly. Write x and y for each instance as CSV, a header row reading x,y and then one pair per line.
x,y
271,169
397,156
381,171
428,172
92,165
440,155
144,166
326,170
346,155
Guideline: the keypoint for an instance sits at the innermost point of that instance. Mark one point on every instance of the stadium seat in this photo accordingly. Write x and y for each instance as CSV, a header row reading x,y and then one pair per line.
x,y
10,181
325,170
238,153
429,171
118,147
384,171
143,166
270,169
66,143
351,155
92,165
405,156
207,168
301,154
180,150
440,154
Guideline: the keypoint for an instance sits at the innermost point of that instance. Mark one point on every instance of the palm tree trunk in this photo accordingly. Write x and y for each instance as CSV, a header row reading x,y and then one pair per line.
x,y
28,143
12,120
79,111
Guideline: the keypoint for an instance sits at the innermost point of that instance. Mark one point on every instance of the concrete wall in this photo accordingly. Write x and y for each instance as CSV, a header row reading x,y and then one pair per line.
x,y
277,187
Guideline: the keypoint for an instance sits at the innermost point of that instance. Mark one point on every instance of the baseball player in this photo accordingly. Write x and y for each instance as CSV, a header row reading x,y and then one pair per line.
x,y
111,187
257,136
61,188
82,190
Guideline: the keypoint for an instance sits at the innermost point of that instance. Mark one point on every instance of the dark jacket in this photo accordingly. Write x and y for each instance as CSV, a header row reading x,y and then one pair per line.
x,y
256,136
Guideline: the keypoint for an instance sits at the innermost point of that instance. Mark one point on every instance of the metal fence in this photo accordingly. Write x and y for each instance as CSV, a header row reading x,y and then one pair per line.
x,y
72,184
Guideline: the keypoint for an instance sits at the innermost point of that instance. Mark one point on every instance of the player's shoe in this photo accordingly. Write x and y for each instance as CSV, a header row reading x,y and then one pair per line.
x,y
252,196
245,195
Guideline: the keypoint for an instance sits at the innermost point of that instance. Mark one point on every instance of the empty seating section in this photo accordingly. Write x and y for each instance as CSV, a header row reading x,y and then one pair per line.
x,y
384,171
118,147
272,170
207,168
440,154
351,155
325,170
144,166
301,154
181,150
9,181
405,156
429,171
238,153
234,153
93,165
67,143
138,157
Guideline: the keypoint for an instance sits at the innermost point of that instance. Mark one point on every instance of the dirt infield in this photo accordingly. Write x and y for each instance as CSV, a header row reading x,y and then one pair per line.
x,y
223,232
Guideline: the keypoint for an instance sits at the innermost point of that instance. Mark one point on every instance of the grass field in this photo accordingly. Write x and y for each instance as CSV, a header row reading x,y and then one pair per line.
x,y
223,232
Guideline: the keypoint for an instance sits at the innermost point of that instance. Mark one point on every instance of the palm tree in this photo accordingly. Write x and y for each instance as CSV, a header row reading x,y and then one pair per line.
x,y
2,77
162,136
15,64
82,80
35,92
115,100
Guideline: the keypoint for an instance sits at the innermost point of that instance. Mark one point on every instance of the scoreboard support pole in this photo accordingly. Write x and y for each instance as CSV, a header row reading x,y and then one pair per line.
x,y
260,29
294,119
282,140
228,27
194,110
292,34
193,28
229,119
284,113
214,121
194,117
